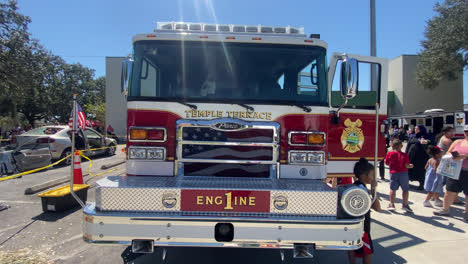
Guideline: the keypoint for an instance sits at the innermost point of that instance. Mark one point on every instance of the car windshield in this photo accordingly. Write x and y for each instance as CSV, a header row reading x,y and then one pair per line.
x,y
229,72
43,131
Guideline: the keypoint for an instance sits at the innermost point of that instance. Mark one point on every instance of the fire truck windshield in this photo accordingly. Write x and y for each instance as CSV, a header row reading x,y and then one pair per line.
x,y
228,72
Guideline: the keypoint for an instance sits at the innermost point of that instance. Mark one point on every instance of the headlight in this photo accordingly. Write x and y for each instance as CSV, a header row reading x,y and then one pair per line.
x,y
307,157
298,157
137,153
155,154
356,201
315,157
147,153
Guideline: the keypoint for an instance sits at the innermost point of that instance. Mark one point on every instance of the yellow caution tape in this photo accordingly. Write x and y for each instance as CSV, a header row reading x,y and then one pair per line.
x,y
32,171
57,162
91,165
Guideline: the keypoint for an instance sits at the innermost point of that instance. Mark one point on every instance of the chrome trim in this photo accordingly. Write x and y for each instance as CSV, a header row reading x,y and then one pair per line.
x,y
225,245
208,123
146,159
307,163
227,143
230,161
121,228
147,128
177,216
307,144
181,123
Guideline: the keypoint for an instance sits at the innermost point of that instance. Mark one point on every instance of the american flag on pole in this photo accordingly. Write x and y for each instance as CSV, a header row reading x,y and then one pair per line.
x,y
80,118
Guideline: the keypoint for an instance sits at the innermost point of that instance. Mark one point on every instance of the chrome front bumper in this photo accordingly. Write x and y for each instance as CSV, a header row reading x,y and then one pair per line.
x,y
174,229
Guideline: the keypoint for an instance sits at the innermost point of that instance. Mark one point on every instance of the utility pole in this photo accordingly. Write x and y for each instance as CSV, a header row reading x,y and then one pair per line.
x,y
373,46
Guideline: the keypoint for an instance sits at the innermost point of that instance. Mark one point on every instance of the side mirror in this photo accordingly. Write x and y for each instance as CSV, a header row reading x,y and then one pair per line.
x,y
125,75
349,78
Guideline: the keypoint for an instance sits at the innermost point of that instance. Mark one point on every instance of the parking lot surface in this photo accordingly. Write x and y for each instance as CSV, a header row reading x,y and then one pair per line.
x,y
27,232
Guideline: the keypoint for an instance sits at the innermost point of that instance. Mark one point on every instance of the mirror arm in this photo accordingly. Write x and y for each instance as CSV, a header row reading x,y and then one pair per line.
x,y
341,107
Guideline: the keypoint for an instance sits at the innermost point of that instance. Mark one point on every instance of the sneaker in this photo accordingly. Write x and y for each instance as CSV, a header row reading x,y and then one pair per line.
x,y
438,203
426,203
442,212
391,207
407,208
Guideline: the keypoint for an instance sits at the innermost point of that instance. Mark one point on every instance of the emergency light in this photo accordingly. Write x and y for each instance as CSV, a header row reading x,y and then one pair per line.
x,y
223,28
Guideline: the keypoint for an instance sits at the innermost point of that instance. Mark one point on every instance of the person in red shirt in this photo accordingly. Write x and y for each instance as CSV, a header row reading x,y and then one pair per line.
x,y
399,164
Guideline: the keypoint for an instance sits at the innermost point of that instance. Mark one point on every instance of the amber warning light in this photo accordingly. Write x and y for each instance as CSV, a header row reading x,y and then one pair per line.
x,y
307,138
147,134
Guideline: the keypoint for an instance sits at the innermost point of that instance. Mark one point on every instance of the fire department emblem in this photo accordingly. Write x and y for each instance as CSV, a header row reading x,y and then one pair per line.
x,y
352,138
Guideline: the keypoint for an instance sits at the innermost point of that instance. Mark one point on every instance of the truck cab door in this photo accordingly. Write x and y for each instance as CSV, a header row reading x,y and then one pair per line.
x,y
381,67
32,155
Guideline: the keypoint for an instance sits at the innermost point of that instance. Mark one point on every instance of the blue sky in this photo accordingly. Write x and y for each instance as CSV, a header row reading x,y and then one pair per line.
x,y
87,31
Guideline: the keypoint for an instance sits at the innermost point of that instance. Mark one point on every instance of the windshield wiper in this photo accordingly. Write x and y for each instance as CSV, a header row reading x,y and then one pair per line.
x,y
249,108
192,106
303,107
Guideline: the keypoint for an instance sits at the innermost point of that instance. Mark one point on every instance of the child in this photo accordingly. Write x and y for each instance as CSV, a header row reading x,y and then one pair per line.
x,y
399,165
433,184
364,172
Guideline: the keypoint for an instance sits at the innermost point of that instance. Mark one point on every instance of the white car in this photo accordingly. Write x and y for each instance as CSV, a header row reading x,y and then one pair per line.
x,y
39,147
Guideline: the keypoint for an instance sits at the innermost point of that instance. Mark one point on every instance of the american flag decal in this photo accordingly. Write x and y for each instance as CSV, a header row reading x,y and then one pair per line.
x,y
208,151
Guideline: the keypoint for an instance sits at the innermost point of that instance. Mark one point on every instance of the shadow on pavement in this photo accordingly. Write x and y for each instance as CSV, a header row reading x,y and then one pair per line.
x,y
54,216
398,201
384,247
214,255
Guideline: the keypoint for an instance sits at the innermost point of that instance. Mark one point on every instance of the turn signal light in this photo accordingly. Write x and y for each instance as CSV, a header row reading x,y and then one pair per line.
x,y
316,139
307,138
138,134
299,138
156,134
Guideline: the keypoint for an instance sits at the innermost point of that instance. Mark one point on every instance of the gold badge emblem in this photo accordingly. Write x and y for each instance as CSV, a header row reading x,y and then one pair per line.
x,y
352,137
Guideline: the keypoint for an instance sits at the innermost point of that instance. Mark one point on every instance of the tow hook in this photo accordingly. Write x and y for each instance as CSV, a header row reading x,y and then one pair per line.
x,y
304,250
142,246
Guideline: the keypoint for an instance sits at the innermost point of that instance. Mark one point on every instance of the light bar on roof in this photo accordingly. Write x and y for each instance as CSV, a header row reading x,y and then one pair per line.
x,y
259,29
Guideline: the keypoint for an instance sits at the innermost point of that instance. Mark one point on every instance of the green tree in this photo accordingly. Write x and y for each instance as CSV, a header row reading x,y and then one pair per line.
x,y
96,112
33,81
15,47
445,49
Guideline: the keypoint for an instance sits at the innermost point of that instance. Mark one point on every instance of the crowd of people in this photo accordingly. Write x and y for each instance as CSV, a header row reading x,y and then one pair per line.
x,y
424,155
418,162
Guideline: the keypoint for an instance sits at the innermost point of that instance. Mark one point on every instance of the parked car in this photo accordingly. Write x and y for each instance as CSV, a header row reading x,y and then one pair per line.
x,y
39,147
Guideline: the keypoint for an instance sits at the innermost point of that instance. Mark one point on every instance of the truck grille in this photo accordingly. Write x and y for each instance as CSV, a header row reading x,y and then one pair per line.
x,y
227,147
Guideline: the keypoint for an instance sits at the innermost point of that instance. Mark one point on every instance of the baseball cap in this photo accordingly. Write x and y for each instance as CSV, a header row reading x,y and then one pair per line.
x,y
466,128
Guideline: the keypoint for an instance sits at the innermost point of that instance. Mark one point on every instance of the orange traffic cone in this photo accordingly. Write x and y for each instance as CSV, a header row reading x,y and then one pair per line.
x,y
77,175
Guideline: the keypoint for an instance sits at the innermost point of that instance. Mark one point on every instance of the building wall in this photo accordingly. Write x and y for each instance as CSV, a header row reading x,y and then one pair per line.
x,y
395,84
116,104
412,98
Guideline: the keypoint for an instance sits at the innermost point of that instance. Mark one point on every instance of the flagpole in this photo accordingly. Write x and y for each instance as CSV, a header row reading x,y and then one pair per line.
x,y
73,153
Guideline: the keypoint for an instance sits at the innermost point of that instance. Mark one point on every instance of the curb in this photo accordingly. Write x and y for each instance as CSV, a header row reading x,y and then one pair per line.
x,y
105,167
46,185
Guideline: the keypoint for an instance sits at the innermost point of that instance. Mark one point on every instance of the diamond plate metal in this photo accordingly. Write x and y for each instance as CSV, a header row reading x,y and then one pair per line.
x,y
134,199
144,194
306,203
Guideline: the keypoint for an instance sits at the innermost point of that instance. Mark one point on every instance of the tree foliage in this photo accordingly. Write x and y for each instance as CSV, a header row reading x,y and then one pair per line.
x,y
445,49
35,82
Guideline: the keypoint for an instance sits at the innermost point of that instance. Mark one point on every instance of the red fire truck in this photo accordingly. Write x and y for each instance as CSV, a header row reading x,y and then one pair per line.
x,y
231,136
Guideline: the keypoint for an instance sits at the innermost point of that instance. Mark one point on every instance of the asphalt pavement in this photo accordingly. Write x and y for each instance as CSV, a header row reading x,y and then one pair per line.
x,y
56,237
